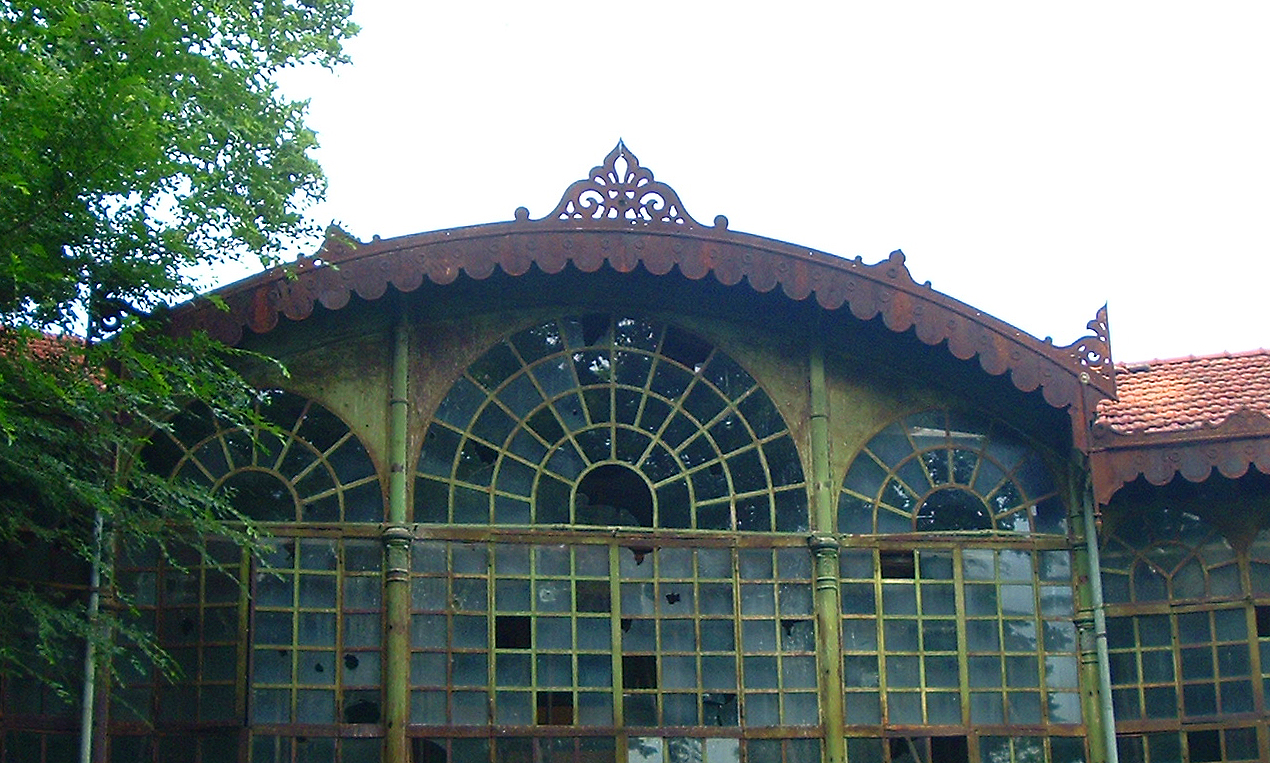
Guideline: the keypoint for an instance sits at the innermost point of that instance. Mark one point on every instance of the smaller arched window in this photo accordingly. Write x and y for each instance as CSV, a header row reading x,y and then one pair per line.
x,y
1259,566
938,471
1165,555
302,463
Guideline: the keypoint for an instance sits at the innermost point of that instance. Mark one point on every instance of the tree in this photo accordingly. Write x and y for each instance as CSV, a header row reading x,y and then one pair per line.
x,y
137,139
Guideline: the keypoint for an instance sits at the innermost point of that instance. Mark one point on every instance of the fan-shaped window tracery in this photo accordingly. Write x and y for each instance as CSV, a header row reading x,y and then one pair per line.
x,y
1168,555
529,431
937,471
302,464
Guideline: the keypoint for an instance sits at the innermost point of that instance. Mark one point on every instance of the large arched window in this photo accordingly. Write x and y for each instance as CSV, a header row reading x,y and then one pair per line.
x,y
616,554
958,634
555,424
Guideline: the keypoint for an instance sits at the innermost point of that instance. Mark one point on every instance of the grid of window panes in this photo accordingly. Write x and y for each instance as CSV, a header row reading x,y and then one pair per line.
x,y
1192,664
181,747
317,633
1168,555
315,749
1259,576
449,631
975,637
39,746
550,628
940,471
192,605
515,749
513,439
1168,661
948,749
639,749
612,634
1197,745
38,563
682,622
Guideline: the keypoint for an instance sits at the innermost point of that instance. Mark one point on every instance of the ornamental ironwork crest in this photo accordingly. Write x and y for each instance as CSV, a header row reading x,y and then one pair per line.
x,y
620,190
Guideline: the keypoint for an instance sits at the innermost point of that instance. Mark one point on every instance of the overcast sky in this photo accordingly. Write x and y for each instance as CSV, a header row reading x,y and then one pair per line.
x,y
1033,160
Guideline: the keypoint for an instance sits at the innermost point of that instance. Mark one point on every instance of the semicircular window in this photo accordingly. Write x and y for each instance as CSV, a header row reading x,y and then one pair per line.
x,y
1165,554
937,471
309,467
604,420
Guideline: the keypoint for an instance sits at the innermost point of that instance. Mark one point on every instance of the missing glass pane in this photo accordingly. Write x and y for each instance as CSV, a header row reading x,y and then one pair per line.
x,y
554,708
614,494
361,707
1204,746
897,564
1263,621
949,749
951,509
685,348
639,671
592,595
511,632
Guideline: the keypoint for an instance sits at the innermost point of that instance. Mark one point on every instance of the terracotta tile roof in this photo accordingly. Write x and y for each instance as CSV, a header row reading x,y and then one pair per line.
x,y
1187,393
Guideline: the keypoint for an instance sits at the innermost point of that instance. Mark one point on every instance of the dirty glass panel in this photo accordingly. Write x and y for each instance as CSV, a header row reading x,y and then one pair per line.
x,y
316,658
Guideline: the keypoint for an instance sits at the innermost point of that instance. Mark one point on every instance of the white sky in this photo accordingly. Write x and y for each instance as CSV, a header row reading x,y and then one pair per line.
x,y
1033,160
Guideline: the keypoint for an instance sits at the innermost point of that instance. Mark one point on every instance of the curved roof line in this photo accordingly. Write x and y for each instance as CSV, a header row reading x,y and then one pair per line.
x,y
621,218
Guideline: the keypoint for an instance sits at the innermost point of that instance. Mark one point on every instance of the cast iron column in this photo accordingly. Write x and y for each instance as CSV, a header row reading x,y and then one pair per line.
x,y
397,537
1091,629
824,548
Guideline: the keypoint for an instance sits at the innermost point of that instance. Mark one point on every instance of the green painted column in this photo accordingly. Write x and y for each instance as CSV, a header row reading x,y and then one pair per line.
x,y
1091,628
397,538
824,549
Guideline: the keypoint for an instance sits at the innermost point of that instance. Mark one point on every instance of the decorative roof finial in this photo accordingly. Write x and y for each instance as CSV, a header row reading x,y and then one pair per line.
x,y
1094,352
622,191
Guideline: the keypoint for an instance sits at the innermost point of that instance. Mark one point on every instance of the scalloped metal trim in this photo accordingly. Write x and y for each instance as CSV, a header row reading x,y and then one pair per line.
x,y
885,288
1240,441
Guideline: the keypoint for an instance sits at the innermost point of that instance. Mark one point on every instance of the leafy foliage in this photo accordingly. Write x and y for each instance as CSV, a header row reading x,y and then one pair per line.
x,y
138,139
146,136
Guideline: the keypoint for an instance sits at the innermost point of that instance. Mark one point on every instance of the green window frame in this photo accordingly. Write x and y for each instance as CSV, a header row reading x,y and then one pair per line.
x,y
516,436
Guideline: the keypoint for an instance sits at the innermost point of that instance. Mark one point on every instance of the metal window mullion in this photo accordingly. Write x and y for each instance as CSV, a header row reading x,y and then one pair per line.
x,y
615,642
963,644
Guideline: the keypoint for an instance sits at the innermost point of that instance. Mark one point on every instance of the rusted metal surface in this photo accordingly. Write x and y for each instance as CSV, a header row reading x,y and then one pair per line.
x,y
1241,441
620,218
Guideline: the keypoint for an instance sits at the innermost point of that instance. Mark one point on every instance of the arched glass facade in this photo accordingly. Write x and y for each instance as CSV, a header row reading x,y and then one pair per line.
x,y
642,590
957,598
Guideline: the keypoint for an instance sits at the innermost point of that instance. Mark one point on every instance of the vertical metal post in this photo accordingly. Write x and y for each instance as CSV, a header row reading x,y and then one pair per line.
x,y
397,538
1091,625
1107,715
88,699
824,548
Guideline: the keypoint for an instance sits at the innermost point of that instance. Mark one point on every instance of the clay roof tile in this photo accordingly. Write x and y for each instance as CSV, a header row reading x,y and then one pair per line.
x,y
1187,393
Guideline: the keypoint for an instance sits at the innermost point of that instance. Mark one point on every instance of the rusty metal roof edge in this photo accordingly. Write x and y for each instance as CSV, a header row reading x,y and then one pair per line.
x,y
344,266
